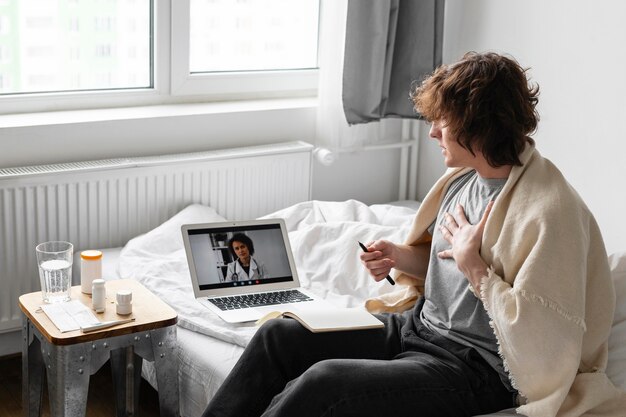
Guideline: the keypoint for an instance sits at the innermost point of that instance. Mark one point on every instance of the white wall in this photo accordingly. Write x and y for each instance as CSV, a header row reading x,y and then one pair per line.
x,y
77,140
368,176
577,52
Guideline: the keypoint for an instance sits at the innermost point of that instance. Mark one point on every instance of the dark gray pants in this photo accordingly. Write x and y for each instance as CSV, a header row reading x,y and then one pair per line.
x,y
401,370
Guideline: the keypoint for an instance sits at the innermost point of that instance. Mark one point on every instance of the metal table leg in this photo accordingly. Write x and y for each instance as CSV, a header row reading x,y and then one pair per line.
x,y
68,369
165,347
126,372
32,371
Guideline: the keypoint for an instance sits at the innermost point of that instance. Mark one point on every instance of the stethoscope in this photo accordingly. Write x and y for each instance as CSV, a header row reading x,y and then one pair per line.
x,y
235,276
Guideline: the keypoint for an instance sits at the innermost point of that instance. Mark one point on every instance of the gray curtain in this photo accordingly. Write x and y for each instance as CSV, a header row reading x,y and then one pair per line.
x,y
390,44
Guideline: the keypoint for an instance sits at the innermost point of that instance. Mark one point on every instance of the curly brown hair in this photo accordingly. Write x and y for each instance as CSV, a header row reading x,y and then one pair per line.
x,y
243,238
487,103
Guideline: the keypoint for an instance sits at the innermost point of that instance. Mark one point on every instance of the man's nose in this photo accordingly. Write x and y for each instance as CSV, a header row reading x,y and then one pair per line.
x,y
435,131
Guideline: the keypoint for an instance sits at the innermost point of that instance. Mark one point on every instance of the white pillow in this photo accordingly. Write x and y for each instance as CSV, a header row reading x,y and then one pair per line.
x,y
616,368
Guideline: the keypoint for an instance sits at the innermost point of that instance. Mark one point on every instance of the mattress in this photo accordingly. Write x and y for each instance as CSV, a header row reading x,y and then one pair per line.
x,y
204,364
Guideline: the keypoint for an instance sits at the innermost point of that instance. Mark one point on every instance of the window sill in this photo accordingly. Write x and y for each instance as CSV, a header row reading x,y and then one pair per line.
x,y
151,112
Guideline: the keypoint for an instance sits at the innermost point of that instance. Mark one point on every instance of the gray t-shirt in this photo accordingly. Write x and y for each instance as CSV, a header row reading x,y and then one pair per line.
x,y
450,308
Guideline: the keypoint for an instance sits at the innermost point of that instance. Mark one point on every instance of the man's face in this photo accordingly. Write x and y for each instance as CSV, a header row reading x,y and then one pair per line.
x,y
454,155
241,250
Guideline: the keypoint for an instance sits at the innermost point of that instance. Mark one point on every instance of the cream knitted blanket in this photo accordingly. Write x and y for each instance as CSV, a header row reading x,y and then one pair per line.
x,y
548,291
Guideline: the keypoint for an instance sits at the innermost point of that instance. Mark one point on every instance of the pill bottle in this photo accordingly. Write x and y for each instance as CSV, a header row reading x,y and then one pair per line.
x,y
124,302
90,269
98,295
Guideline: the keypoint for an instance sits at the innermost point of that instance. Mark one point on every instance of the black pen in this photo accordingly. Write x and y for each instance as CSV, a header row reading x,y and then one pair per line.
x,y
391,281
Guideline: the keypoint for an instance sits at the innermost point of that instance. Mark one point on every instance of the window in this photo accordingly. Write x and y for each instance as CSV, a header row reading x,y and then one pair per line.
x,y
244,46
253,35
64,45
104,53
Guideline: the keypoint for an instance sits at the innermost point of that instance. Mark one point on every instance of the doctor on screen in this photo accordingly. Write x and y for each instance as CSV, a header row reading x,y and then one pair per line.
x,y
244,267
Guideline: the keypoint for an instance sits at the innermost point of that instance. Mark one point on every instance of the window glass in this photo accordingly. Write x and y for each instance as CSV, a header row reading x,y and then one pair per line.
x,y
253,35
74,45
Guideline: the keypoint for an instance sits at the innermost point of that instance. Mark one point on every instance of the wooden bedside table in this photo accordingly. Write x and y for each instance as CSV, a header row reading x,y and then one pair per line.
x,y
71,358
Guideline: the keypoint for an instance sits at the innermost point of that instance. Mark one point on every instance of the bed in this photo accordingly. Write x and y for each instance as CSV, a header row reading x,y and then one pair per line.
x,y
323,237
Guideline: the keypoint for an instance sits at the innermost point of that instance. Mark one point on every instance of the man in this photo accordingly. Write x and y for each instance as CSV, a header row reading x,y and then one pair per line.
x,y
509,271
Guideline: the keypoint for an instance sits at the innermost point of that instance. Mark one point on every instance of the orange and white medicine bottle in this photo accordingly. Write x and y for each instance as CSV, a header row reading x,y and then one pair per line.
x,y
90,269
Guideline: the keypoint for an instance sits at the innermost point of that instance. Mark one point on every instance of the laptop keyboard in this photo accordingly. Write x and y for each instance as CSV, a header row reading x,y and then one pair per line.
x,y
258,300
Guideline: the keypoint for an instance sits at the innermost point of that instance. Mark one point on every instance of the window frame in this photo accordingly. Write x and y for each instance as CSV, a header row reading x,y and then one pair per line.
x,y
172,82
254,82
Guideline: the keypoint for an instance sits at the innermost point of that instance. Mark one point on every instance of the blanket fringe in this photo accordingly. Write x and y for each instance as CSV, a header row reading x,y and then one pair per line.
x,y
505,363
579,321
521,398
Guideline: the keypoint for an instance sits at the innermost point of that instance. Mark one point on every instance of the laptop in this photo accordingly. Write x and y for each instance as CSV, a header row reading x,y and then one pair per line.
x,y
243,270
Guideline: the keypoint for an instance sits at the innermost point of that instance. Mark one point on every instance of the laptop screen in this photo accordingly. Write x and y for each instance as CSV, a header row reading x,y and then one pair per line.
x,y
231,255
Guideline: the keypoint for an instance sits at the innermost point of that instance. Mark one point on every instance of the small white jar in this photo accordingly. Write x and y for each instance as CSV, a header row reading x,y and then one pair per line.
x,y
124,302
90,269
98,296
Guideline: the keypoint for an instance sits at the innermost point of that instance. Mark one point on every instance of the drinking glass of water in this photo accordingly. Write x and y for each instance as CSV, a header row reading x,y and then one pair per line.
x,y
55,270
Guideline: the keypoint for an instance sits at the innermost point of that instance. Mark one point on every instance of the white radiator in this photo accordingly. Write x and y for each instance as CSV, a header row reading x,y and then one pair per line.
x,y
99,204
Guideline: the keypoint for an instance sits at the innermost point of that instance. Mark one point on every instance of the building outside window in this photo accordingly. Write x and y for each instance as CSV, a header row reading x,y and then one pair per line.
x,y
71,46
57,39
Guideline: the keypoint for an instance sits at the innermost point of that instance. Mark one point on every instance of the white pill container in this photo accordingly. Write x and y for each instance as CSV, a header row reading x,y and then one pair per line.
x,y
90,269
124,302
98,295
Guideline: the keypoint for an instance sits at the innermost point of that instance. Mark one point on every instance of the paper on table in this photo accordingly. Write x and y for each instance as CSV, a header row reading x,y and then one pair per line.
x,y
69,316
